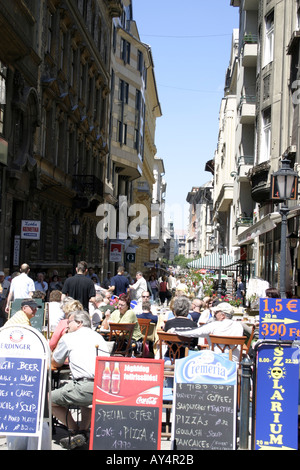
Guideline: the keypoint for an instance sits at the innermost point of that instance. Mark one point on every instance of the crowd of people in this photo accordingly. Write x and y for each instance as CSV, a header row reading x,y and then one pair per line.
x,y
83,306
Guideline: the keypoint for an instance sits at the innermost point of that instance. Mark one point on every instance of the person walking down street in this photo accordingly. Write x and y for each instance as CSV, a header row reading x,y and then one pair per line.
x,y
119,283
21,286
153,282
163,290
79,347
80,287
240,289
139,286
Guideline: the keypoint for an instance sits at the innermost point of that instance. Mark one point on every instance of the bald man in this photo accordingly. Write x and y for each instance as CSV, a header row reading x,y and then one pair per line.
x,y
21,286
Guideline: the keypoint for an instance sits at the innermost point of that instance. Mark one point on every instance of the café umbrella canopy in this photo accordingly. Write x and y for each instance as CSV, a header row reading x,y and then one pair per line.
x,y
211,262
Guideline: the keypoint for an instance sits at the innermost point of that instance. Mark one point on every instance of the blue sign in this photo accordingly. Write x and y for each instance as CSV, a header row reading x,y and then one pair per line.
x,y
277,397
20,395
206,367
279,319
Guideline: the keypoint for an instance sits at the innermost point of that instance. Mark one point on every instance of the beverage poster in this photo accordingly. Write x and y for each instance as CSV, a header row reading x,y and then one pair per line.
x,y
127,404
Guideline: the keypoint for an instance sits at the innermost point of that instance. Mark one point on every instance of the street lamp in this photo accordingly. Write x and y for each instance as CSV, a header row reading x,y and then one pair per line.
x,y
75,225
284,187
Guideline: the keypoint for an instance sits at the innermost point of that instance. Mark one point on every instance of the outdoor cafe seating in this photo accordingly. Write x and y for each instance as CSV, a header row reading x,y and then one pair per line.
x,y
177,347
230,344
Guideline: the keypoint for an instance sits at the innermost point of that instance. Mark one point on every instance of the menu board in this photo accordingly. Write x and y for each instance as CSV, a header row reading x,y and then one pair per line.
x,y
203,417
127,404
24,359
204,410
19,391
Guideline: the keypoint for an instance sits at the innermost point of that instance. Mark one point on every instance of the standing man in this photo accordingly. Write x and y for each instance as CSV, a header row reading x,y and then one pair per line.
x,y
21,286
79,286
139,286
119,283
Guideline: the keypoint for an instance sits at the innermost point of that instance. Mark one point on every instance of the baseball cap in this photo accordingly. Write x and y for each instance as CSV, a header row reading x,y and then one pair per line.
x,y
31,303
2,273
224,307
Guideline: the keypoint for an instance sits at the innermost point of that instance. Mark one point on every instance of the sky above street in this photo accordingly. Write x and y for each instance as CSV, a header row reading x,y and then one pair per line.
x,y
191,44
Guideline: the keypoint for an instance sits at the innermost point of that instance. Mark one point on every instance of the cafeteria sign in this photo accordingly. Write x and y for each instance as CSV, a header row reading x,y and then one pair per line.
x,y
279,319
30,229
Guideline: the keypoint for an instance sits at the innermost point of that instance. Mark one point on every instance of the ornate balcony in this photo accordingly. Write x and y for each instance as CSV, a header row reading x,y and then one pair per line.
x,y
259,177
89,192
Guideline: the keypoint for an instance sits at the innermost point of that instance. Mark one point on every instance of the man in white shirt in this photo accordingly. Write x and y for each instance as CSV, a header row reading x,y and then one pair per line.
x,y
139,286
79,346
21,286
222,326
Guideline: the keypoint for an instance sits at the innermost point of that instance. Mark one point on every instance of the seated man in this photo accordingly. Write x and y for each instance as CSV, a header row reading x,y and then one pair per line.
x,y
222,326
79,346
196,309
146,312
23,316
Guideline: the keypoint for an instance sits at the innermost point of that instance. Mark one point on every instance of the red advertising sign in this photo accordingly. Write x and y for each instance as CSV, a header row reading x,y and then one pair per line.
x,y
127,404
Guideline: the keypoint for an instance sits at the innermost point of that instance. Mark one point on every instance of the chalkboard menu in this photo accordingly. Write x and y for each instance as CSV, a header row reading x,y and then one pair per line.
x,y
19,393
127,404
203,417
126,428
24,360
204,410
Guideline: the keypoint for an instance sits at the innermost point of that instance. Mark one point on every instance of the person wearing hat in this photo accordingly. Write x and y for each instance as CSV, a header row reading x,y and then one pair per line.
x,y
223,325
23,316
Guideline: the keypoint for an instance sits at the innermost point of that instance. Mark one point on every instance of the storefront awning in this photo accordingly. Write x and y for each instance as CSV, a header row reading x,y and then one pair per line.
x,y
211,261
265,225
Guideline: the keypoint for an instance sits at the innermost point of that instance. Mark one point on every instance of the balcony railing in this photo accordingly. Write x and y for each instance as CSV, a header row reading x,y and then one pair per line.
x,y
246,160
244,221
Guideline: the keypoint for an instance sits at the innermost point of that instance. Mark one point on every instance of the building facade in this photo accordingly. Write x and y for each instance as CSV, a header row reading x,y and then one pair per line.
x,y
77,128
